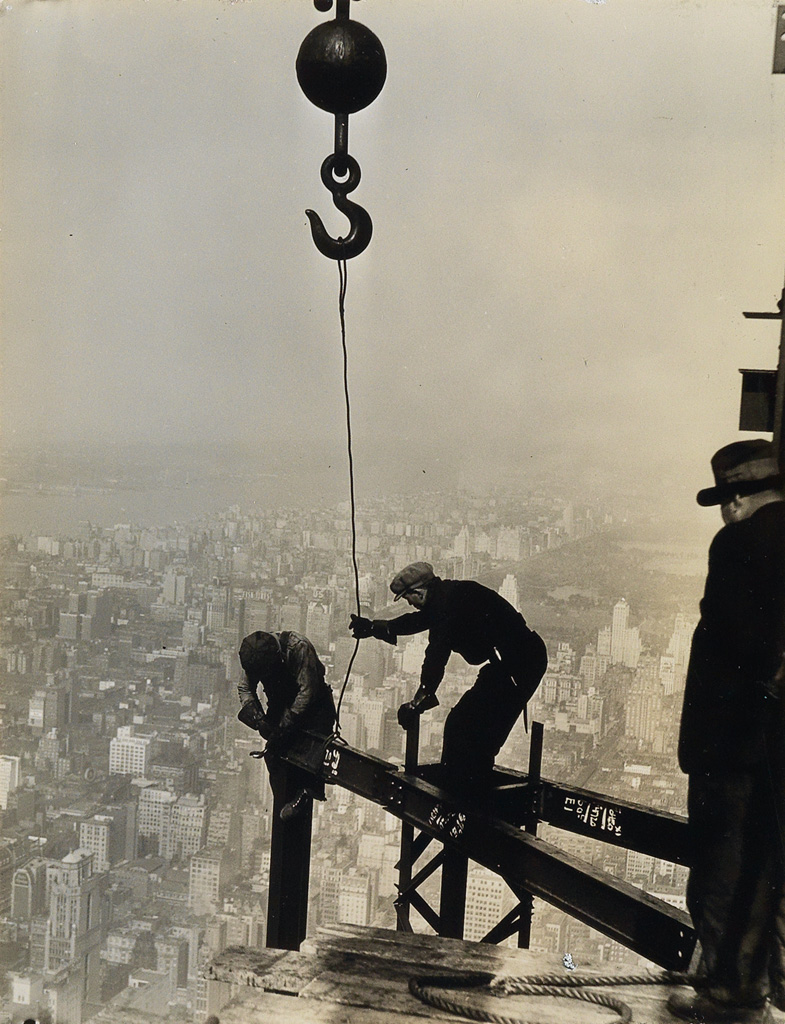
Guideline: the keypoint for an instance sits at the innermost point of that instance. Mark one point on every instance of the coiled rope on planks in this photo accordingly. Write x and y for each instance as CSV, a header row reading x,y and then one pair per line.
x,y
431,988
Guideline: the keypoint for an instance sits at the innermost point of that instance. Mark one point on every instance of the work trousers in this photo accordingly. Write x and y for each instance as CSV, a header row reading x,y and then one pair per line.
x,y
735,888
298,779
319,719
479,724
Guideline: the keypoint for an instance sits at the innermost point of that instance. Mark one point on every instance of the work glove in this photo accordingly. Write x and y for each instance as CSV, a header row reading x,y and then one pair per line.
x,y
409,712
360,627
252,715
281,737
408,715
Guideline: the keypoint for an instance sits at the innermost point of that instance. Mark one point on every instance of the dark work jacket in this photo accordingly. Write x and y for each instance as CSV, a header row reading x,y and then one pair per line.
x,y
475,622
737,648
296,694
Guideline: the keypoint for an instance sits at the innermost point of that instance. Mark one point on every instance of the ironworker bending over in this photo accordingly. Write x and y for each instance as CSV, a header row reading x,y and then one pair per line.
x,y
465,617
297,697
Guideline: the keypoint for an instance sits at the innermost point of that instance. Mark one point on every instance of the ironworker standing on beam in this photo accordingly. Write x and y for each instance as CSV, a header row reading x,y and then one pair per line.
x,y
297,697
465,617
732,746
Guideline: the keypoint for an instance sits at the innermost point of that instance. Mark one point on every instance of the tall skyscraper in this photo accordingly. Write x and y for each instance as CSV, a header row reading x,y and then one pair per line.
x,y
129,754
154,818
509,591
622,641
681,643
35,712
97,619
215,614
462,543
177,587
94,835
207,873
486,893
76,924
318,625
355,896
106,836
88,616
256,615
188,827
9,777
28,889
291,616
621,615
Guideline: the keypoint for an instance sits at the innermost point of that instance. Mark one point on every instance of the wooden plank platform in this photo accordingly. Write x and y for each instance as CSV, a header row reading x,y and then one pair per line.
x,y
351,975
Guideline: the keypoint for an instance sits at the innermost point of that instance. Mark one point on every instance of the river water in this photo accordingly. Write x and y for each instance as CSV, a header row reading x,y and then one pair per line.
x,y
65,512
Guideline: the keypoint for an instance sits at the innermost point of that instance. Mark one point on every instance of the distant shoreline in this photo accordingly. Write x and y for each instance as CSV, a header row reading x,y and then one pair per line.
x,y
64,510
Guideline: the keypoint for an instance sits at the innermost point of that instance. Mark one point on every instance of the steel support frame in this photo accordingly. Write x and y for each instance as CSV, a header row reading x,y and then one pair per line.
x,y
409,896
583,812
519,920
452,903
638,921
408,855
531,866
290,861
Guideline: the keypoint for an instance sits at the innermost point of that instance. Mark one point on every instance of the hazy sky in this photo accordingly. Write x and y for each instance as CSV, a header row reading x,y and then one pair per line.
x,y
573,202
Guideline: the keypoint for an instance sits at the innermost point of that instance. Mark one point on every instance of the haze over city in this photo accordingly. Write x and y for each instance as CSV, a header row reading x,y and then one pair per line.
x,y
573,203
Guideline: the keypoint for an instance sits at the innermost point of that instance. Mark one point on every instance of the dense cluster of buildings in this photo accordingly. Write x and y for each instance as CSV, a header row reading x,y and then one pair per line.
x,y
134,827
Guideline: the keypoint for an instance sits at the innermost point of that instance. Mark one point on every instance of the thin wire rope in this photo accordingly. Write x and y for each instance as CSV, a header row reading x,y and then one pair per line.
x,y
342,284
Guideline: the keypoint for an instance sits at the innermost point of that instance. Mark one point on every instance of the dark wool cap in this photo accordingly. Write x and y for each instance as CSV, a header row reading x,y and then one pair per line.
x,y
258,651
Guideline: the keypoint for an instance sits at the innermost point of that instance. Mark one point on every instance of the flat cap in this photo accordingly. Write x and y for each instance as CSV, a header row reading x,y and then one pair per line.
x,y
414,575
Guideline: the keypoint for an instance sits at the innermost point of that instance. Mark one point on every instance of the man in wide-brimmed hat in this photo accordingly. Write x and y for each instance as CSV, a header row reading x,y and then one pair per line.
x,y
480,625
731,745
297,697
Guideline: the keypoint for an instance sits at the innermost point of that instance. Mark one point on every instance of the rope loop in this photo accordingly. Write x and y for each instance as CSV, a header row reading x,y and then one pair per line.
x,y
425,988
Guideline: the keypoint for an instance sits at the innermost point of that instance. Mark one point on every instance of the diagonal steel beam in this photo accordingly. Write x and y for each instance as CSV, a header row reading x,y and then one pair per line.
x,y
614,907
419,845
626,914
425,872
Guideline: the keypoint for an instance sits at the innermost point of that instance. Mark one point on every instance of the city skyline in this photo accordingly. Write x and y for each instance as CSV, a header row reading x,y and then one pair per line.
x,y
123,757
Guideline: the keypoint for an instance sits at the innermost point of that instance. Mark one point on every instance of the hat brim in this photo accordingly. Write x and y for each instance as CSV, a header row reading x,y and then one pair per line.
x,y
712,496
409,589
720,494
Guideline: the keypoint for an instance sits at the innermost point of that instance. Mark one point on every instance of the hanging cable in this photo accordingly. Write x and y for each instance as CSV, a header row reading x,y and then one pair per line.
x,y
342,272
341,67
342,282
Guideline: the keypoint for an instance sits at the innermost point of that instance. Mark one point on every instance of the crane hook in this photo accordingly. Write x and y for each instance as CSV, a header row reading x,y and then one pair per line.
x,y
360,220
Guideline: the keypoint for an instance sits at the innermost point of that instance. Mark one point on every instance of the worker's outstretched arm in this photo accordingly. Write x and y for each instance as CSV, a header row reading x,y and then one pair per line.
x,y
388,629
